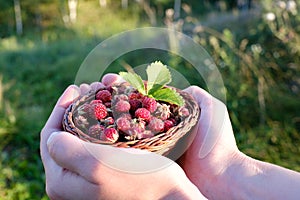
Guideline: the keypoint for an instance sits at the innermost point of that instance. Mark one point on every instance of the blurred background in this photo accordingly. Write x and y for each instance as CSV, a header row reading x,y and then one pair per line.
x,y
255,44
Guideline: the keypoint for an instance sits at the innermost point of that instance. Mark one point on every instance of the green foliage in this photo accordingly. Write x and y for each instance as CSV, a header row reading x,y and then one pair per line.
x,y
258,59
158,76
135,80
276,142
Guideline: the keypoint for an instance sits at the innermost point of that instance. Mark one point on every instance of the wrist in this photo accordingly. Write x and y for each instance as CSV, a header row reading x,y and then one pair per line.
x,y
236,178
213,176
184,189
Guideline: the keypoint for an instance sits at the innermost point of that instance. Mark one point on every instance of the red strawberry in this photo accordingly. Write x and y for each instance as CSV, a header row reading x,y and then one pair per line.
x,y
103,95
143,113
150,104
136,128
168,124
122,106
96,130
134,104
156,125
135,95
123,123
175,122
100,111
109,135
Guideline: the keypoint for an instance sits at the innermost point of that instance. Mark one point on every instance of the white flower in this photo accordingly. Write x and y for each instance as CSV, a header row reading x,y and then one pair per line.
x,y
281,4
291,5
270,16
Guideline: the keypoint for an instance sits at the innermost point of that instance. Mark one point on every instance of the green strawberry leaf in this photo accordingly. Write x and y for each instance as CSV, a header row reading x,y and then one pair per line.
x,y
134,80
158,76
169,95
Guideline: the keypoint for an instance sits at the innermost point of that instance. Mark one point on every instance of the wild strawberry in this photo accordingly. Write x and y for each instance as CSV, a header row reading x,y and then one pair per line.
x,y
135,95
175,122
150,104
134,104
95,102
168,124
142,113
122,106
109,135
126,115
96,130
109,121
81,121
103,95
183,112
145,134
123,123
84,109
136,128
107,104
162,111
119,97
100,111
156,125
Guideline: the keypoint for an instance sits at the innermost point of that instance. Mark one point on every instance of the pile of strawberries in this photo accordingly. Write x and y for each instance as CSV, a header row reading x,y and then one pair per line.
x,y
121,113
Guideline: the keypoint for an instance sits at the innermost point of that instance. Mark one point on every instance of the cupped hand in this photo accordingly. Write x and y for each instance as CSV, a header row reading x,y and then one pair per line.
x,y
214,148
79,170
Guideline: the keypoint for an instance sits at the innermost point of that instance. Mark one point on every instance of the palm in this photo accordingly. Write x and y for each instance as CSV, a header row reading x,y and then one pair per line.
x,y
214,145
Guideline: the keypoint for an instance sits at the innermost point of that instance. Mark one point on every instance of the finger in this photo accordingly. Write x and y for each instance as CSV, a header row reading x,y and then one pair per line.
x,y
54,122
68,152
96,86
213,120
68,97
128,160
88,159
202,97
64,184
84,88
110,79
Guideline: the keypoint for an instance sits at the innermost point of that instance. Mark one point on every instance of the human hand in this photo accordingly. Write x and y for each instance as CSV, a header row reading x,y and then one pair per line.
x,y
79,170
228,173
213,149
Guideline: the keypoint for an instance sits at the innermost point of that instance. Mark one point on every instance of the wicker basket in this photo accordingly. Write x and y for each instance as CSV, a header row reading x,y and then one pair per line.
x,y
161,143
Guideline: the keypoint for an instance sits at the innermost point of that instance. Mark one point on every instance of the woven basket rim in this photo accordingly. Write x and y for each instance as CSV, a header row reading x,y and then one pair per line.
x,y
161,143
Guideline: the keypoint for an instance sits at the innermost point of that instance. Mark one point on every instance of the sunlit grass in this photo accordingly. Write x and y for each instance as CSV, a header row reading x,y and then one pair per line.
x,y
36,68
94,21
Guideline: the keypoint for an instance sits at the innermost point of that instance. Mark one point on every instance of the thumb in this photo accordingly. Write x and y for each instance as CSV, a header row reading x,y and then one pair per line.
x,y
213,122
69,152
85,158
110,79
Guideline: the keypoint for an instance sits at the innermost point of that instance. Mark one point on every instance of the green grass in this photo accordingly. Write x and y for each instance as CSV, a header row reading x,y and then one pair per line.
x,y
37,68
